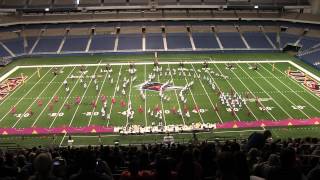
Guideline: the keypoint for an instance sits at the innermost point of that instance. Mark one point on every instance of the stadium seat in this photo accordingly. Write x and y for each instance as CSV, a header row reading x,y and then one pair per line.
x,y
154,41
205,40
178,41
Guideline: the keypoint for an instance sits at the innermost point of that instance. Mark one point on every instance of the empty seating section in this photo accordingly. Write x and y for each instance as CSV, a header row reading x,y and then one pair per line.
x,y
178,41
190,2
64,3
154,41
138,2
39,3
90,3
177,37
130,42
13,3
256,40
102,42
75,43
115,2
308,42
214,2
286,38
29,43
75,37
231,40
273,37
48,44
205,40
312,58
167,2
130,38
15,45
50,40
3,52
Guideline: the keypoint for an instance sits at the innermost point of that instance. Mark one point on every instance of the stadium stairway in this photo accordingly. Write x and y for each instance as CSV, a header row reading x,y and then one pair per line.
x,y
116,42
8,50
164,38
37,41
89,41
243,39
63,40
191,39
267,37
217,38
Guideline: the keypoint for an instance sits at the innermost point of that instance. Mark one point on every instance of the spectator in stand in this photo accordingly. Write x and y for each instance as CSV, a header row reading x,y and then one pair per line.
x,y
88,164
288,167
226,166
163,170
314,174
263,169
188,168
258,140
43,167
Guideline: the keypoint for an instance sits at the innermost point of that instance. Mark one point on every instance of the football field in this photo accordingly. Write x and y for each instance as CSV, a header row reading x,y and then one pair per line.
x,y
140,93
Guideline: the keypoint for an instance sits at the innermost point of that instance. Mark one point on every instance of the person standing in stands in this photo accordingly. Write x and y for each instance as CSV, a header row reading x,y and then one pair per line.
x,y
258,140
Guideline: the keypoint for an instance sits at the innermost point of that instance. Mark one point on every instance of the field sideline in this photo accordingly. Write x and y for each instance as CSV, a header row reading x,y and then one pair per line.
x,y
280,97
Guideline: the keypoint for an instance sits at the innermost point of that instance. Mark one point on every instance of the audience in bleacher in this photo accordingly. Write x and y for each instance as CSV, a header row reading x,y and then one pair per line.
x,y
294,159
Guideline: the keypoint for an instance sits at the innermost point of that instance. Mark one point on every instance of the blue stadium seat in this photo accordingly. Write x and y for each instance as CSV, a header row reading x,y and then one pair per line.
x,y
3,52
48,44
231,40
287,38
178,41
256,40
15,45
154,41
102,42
205,40
130,42
75,43
273,37
312,58
308,42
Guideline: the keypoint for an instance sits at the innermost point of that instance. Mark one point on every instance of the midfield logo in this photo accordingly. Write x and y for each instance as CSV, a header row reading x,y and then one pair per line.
x,y
157,86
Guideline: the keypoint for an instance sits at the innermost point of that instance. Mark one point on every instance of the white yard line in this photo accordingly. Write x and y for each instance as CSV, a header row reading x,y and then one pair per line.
x,y
236,91
220,90
51,98
291,89
43,90
194,101
61,107
18,88
282,94
74,114
84,93
25,95
207,94
145,101
161,101
266,93
161,63
129,100
93,110
175,92
299,84
114,94
253,93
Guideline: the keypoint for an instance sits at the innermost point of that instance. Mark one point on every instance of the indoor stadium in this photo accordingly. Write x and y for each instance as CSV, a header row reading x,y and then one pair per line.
x,y
160,89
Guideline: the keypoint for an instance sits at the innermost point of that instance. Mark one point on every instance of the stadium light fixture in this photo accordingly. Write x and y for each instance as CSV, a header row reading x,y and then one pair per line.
x,y
47,9
256,6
